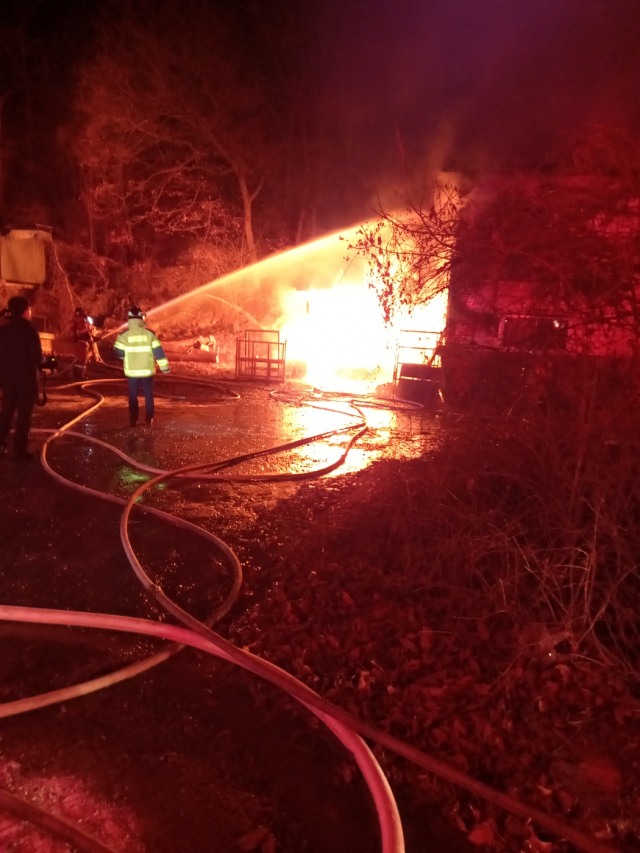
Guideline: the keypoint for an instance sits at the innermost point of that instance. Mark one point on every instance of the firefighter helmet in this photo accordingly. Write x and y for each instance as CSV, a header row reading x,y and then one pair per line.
x,y
135,312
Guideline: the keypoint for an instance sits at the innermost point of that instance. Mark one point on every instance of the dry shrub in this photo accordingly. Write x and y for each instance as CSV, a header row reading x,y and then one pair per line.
x,y
533,514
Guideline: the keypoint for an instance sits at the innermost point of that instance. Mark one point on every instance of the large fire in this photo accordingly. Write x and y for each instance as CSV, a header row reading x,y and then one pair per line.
x,y
321,303
337,337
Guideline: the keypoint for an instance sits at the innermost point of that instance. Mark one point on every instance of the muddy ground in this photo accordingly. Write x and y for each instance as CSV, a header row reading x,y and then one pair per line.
x,y
190,756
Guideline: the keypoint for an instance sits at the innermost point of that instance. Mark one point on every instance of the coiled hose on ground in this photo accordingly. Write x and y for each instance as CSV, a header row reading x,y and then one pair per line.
x,y
199,635
390,827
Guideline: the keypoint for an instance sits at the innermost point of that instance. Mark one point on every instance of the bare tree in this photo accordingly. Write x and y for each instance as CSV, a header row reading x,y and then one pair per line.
x,y
172,136
411,250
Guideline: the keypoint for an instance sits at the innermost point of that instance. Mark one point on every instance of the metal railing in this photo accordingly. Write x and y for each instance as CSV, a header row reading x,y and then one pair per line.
x,y
261,355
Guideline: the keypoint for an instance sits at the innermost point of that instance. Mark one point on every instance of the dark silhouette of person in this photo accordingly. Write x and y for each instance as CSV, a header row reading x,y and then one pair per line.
x,y
20,359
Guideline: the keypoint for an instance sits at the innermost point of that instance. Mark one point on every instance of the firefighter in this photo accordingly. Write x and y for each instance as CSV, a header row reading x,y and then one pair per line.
x,y
140,349
20,359
82,337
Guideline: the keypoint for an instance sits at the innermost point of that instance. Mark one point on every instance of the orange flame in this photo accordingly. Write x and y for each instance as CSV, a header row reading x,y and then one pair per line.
x,y
323,306
337,338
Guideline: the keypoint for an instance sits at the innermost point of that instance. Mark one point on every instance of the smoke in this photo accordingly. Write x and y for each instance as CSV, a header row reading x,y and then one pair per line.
x,y
477,85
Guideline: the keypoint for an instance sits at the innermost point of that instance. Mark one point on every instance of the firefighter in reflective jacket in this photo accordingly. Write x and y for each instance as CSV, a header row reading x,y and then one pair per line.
x,y
140,349
83,343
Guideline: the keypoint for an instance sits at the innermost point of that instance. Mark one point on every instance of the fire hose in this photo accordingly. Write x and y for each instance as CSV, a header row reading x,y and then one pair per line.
x,y
199,635
389,820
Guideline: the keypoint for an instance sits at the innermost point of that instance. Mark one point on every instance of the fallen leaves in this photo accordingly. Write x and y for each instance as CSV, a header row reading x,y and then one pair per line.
x,y
483,833
510,704
259,838
600,773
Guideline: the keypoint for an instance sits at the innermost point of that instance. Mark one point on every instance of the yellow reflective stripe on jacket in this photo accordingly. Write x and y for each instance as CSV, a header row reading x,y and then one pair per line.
x,y
138,357
135,373
141,346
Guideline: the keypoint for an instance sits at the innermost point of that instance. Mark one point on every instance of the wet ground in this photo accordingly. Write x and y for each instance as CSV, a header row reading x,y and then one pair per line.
x,y
190,756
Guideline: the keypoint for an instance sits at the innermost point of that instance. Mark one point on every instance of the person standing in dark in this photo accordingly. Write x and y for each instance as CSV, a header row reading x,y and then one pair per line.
x,y
82,337
20,359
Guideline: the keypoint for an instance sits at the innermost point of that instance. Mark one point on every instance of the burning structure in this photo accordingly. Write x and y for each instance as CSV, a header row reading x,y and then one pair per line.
x,y
538,276
322,307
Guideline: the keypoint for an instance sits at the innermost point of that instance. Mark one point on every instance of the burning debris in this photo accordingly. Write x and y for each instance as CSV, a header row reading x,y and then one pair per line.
x,y
320,305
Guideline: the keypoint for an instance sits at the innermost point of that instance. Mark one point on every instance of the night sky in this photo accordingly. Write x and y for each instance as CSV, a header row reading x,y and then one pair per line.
x,y
482,83
403,85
